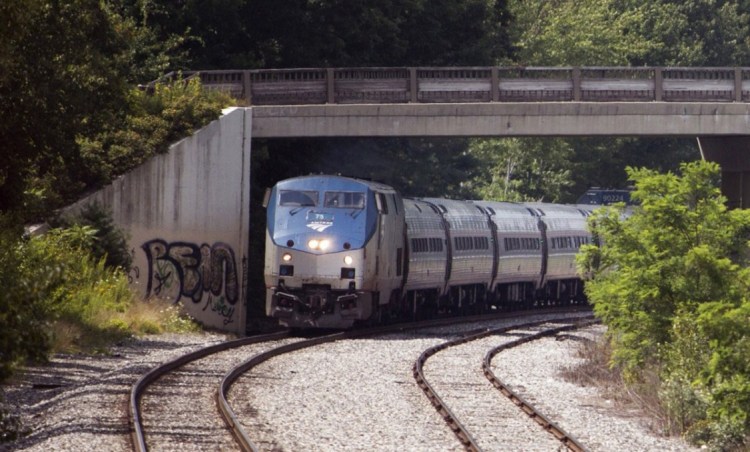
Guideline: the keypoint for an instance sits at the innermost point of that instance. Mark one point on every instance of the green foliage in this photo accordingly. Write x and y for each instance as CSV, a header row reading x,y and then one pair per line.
x,y
579,33
671,284
108,242
631,32
522,169
155,120
46,279
23,311
61,78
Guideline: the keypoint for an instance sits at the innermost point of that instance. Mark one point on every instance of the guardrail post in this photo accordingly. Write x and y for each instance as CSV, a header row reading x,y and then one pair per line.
x,y
247,87
576,84
413,85
658,84
495,85
331,98
737,84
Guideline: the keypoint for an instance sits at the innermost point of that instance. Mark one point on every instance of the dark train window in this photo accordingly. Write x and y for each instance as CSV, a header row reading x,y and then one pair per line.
x,y
423,245
515,244
399,263
481,243
395,204
298,198
382,203
344,199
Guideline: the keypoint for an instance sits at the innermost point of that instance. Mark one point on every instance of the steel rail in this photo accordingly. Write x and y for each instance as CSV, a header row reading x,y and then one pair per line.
x,y
451,419
137,390
569,441
233,422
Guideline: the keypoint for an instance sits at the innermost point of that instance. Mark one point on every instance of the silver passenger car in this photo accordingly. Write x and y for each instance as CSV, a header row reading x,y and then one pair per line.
x,y
428,250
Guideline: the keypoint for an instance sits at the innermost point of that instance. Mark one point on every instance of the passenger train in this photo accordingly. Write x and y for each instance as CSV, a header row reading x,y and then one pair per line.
x,y
342,251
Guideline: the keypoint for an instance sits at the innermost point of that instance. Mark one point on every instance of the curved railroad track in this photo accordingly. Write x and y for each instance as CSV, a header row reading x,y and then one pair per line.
x,y
320,396
478,418
191,375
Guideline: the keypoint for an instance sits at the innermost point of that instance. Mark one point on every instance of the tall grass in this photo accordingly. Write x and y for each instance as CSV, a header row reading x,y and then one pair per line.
x,y
58,297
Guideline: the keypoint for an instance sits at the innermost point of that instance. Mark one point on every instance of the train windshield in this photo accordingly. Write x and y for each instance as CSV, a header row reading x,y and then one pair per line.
x,y
345,199
298,198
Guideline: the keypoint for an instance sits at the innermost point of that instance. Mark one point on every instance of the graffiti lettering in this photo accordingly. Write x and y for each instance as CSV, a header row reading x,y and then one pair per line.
x,y
219,306
133,274
183,269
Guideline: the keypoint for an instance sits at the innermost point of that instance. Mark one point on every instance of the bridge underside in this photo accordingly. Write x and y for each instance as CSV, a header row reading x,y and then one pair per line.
x,y
732,153
687,119
722,128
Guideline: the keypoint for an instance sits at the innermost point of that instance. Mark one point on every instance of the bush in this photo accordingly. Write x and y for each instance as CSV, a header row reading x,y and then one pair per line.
x,y
156,119
108,241
671,285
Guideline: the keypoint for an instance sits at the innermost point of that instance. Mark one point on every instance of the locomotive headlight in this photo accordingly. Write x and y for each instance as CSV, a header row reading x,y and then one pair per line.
x,y
286,257
348,260
319,244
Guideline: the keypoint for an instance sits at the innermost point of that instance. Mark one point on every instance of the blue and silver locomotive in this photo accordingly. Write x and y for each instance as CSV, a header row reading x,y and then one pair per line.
x,y
342,250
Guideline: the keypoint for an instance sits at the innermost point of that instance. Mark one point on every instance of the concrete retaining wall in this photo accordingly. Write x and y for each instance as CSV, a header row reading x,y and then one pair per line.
x,y
187,216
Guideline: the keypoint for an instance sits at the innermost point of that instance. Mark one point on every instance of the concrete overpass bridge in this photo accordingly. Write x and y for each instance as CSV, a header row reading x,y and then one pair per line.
x,y
187,211
711,104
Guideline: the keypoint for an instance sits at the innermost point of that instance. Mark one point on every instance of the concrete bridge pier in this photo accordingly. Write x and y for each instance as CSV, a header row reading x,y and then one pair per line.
x,y
732,153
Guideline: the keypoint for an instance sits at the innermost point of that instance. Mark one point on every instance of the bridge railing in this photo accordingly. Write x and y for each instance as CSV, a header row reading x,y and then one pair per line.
x,y
479,84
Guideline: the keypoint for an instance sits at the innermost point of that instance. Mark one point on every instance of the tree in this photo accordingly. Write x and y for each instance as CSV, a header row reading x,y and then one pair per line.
x,y
580,33
671,284
377,33
522,169
59,81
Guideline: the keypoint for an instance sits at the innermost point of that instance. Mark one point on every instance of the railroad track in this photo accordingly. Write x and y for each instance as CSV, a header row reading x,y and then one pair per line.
x,y
241,380
188,375
466,405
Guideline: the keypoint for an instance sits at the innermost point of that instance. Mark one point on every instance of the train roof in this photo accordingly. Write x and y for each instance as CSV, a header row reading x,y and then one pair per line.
x,y
331,182
558,210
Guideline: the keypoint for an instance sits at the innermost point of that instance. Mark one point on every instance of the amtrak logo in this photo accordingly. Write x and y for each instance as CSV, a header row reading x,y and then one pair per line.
x,y
319,221
320,227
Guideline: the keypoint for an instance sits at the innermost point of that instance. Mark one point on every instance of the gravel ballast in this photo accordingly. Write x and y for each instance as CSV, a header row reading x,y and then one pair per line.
x,y
362,387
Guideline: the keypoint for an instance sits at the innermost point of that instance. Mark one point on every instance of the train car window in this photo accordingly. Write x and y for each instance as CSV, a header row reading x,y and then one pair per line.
x,y
344,199
395,204
298,198
381,203
481,243
492,211
436,245
442,207
399,263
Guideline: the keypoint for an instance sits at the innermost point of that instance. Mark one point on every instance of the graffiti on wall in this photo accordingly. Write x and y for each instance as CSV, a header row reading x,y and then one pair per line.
x,y
180,270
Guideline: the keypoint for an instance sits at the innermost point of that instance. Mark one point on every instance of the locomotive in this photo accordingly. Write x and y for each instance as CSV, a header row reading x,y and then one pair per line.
x,y
341,251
